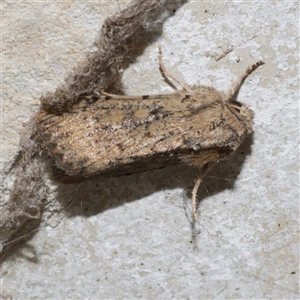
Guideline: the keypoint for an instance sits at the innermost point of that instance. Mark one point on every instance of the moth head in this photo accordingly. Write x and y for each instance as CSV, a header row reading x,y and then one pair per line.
x,y
244,113
242,110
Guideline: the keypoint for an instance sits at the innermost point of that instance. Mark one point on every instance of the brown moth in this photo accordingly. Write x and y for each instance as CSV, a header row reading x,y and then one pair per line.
x,y
115,135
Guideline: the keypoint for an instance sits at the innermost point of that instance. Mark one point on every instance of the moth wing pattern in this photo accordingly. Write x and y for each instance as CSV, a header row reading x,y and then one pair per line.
x,y
112,137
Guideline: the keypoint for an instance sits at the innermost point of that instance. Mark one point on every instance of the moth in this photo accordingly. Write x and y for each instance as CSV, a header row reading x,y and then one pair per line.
x,y
115,135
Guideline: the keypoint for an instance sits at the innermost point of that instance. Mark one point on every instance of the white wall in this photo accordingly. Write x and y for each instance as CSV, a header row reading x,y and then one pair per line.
x,y
132,237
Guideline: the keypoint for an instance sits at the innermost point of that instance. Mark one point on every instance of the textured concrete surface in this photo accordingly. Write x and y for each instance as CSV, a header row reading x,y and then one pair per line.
x,y
132,237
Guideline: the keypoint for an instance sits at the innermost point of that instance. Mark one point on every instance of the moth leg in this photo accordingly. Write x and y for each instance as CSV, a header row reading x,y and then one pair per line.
x,y
204,171
108,94
166,73
120,97
236,85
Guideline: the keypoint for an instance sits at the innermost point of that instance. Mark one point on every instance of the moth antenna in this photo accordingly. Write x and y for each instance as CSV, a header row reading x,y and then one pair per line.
x,y
236,85
204,171
165,71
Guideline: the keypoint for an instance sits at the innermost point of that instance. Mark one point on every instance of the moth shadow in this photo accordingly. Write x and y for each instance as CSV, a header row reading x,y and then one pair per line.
x,y
96,195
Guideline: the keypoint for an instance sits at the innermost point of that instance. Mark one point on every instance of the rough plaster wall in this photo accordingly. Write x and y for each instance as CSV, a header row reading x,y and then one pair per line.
x,y
132,237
